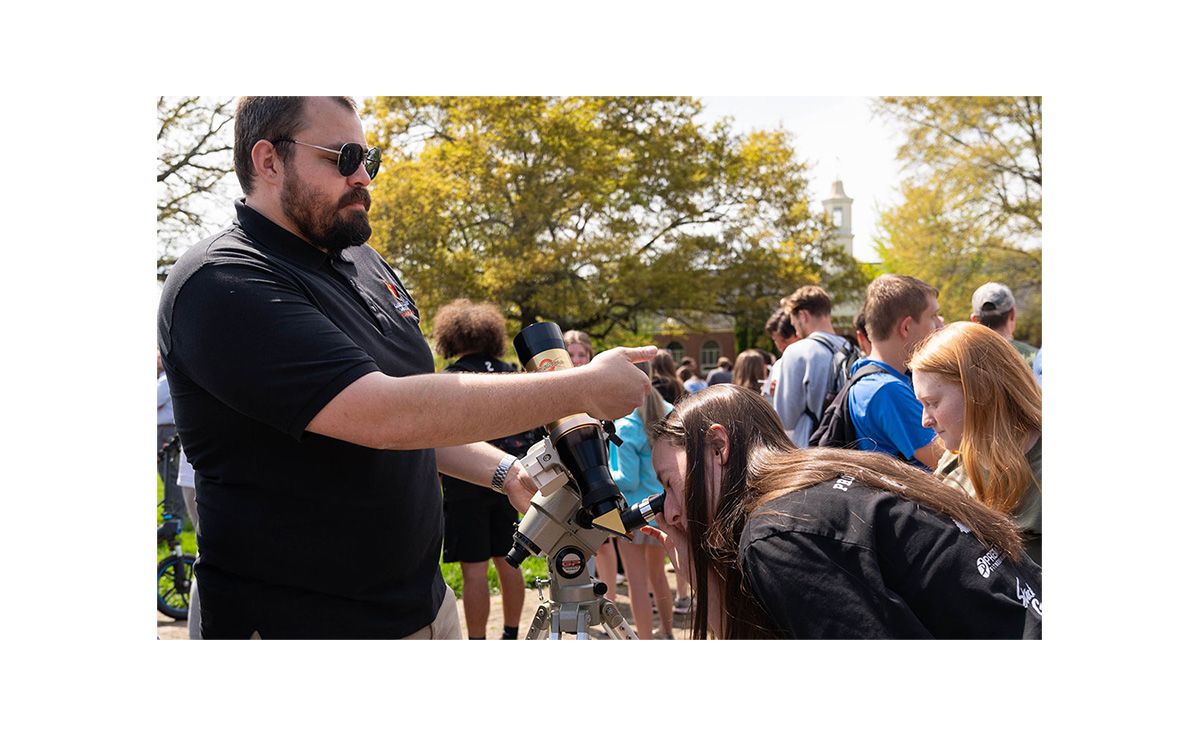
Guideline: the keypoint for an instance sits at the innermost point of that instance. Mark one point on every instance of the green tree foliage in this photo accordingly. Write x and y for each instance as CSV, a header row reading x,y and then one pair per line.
x,y
195,159
971,201
601,214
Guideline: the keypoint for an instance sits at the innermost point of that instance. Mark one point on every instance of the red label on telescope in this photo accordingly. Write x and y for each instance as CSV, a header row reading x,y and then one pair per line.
x,y
570,563
554,359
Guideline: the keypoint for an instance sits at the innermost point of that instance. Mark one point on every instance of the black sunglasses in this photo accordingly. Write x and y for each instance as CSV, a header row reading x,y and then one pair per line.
x,y
349,158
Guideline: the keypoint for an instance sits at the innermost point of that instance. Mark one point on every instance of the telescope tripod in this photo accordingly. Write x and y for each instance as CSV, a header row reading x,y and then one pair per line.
x,y
573,608
555,527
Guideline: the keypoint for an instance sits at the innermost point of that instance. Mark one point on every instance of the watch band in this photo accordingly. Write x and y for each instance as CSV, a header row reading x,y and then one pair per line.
x,y
505,465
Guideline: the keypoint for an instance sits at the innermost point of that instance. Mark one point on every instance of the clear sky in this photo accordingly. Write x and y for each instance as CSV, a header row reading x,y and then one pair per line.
x,y
838,137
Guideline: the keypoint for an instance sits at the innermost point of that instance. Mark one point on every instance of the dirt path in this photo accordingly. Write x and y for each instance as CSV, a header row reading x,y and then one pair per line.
x,y
169,629
532,602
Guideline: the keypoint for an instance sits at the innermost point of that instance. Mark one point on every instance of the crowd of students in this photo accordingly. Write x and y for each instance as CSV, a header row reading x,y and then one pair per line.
x,y
927,525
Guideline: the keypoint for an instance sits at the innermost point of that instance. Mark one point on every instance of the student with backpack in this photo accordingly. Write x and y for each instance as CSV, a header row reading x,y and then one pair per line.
x,y
878,410
812,369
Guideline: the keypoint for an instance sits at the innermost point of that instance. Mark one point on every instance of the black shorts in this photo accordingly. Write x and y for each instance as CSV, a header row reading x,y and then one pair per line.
x,y
478,530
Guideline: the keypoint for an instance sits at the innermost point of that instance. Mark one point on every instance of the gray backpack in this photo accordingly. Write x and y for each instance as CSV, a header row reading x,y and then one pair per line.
x,y
835,428
843,359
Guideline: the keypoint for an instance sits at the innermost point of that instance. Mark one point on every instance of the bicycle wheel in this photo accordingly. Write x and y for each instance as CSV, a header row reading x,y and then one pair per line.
x,y
174,585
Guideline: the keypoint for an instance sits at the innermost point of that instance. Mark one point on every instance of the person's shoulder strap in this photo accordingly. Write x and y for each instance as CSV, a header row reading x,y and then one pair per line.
x,y
823,341
861,373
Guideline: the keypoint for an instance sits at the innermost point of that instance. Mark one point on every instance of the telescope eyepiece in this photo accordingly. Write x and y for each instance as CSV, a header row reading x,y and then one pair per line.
x,y
642,514
522,547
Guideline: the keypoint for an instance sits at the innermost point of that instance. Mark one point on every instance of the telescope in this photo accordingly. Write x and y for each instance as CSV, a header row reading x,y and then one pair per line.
x,y
576,508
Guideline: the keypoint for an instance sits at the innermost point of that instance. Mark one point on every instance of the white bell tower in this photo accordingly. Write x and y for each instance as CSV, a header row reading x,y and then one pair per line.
x,y
839,206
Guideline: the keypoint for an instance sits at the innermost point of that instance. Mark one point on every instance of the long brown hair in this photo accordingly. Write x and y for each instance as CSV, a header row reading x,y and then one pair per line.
x,y
749,370
1002,407
764,464
663,370
653,408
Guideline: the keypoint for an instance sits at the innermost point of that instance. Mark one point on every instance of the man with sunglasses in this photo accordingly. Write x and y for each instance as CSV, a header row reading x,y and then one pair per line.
x,y
305,396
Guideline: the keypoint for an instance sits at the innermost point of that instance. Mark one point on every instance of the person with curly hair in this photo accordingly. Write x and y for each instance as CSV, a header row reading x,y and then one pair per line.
x,y
479,522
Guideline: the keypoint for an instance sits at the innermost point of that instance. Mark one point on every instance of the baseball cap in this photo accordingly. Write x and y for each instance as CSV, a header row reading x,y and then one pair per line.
x,y
993,298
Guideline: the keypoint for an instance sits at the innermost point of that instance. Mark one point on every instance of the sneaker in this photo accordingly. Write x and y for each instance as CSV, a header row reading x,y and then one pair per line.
x,y
683,605
620,579
659,635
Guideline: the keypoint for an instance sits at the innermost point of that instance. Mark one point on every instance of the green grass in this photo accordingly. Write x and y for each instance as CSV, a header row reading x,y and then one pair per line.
x,y
188,536
531,568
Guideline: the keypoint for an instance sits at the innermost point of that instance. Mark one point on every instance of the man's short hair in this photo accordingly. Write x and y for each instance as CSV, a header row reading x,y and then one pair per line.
x,y
893,297
992,304
779,325
268,119
811,298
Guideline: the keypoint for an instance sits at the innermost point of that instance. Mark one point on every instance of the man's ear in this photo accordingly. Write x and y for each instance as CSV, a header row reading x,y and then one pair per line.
x,y
904,327
268,166
717,439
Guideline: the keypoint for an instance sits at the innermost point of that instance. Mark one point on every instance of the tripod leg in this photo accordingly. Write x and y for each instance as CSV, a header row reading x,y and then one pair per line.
x,y
540,623
555,623
582,625
614,623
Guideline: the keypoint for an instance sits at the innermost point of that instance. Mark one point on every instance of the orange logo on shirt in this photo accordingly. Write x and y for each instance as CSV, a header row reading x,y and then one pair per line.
x,y
401,303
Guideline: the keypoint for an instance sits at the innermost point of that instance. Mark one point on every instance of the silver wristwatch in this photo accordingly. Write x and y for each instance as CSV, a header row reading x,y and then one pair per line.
x,y
501,472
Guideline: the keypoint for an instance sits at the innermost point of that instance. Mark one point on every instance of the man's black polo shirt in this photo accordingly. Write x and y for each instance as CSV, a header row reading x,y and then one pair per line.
x,y
303,535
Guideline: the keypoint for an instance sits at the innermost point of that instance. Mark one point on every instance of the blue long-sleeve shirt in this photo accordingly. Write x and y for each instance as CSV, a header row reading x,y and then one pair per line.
x,y
632,461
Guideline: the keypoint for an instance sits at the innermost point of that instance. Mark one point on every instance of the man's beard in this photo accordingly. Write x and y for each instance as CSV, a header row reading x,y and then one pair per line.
x,y
331,230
